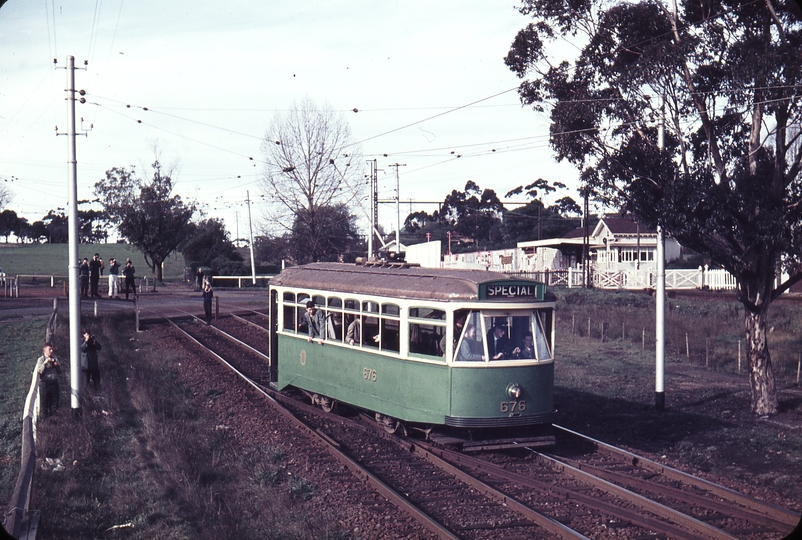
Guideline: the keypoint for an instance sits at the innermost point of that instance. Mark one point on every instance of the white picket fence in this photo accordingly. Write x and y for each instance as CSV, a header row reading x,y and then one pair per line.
x,y
700,278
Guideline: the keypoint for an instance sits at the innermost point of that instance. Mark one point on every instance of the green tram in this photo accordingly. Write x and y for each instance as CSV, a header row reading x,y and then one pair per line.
x,y
464,355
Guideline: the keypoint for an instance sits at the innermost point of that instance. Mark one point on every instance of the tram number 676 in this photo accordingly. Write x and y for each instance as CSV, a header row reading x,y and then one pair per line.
x,y
369,374
512,406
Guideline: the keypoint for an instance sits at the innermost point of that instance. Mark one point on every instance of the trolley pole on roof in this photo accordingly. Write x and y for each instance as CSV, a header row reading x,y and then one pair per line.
x,y
398,207
660,300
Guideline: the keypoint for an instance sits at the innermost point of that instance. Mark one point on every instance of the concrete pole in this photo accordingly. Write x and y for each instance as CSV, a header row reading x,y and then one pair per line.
x,y
72,266
660,303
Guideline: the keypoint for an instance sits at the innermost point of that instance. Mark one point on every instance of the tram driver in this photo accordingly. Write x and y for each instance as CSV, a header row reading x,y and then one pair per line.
x,y
498,344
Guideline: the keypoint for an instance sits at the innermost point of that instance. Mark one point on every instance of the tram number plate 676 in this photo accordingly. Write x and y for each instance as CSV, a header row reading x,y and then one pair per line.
x,y
369,374
513,406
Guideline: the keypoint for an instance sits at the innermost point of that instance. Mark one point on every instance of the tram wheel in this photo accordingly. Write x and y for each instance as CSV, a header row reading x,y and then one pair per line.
x,y
388,423
327,404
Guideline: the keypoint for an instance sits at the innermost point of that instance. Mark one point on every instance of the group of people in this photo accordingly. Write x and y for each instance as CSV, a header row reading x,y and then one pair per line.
x,y
90,272
499,346
316,326
48,367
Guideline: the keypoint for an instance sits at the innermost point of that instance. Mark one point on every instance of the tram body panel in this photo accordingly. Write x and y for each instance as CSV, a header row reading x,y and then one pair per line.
x,y
485,396
408,390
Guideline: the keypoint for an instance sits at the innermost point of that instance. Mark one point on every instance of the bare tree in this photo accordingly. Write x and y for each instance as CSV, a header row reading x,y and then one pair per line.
x,y
5,193
312,165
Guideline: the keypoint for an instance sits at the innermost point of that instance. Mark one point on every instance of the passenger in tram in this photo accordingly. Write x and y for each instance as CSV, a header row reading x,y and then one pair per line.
x,y
315,322
470,350
354,334
498,344
459,324
527,348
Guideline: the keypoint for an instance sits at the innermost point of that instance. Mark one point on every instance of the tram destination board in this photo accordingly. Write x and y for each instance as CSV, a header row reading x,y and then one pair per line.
x,y
512,290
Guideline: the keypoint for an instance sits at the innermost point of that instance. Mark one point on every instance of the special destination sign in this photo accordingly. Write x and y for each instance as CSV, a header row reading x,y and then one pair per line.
x,y
512,290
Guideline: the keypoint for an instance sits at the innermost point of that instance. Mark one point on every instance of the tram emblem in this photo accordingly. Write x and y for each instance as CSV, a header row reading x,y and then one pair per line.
x,y
303,357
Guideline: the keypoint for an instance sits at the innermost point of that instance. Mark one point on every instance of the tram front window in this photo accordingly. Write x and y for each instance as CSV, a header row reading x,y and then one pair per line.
x,y
471,347
516,337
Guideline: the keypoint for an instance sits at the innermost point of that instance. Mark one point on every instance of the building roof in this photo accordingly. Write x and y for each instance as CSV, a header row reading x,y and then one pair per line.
x,y
621,224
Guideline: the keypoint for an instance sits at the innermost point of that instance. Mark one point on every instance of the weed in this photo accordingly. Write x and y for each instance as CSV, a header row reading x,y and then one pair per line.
x,y
301,488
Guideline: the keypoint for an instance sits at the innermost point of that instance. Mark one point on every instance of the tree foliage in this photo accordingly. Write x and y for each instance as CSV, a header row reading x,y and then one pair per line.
x,y
9,223
726,180
209,244
309,155
340,240
477,218
147,214
474,213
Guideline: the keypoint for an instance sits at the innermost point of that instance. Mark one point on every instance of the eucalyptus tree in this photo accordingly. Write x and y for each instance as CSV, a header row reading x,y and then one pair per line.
x,y
725,179
311,166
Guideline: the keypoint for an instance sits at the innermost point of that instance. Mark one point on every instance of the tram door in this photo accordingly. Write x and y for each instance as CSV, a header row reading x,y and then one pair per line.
x,y
273,342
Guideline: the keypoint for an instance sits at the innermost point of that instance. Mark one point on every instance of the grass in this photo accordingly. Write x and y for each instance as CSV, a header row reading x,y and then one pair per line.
x,y
53,259
704,331
145,458
20,346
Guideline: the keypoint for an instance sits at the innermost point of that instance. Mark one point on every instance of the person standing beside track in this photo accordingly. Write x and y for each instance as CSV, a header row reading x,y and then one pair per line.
x,y
83,273
114,271
89,361
208,294
128,272
94,275
48,367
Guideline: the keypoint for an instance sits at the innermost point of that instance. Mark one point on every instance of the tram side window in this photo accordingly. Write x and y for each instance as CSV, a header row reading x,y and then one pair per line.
x,y
288,312
352,323
425,337
390,328
334,319
370,324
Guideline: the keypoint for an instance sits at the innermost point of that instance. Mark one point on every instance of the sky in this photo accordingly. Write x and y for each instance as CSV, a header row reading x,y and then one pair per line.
x,y
196,84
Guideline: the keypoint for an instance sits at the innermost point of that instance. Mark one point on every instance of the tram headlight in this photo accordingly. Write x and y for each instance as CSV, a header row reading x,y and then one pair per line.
x,y
514,391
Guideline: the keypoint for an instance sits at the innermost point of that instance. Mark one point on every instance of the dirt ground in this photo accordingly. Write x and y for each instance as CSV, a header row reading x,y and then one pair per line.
x,y
705,429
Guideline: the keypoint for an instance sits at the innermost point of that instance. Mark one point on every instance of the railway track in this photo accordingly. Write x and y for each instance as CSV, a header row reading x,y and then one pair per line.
x,y
583,488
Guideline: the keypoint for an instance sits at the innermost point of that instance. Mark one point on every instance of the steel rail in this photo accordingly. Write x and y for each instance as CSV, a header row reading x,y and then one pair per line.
x,y
230,337
551,525
333,447
781,515
250,323
679,525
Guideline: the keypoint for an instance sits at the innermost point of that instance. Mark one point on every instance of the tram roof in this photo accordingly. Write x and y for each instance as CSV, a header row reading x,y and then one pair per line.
x,y
393,280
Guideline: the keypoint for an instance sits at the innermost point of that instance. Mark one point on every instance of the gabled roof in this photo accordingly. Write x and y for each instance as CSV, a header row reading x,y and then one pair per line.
x,y
620,224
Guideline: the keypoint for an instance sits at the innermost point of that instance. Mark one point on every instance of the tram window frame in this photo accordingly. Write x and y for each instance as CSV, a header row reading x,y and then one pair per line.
x,y
427,331
518,323
541,338
475,321
334,318
352,312
288,302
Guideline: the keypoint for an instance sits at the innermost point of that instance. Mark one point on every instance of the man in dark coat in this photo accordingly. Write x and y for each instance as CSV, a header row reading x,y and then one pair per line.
x,y
94,275
89,361
498,344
